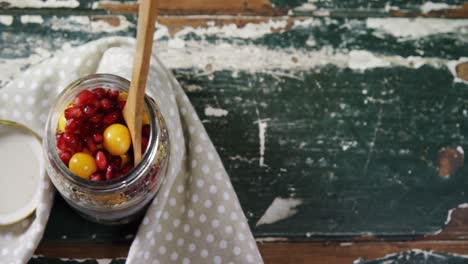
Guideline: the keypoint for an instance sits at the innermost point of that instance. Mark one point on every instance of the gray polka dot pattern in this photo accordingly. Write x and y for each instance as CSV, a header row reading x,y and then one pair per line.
x,y
196,218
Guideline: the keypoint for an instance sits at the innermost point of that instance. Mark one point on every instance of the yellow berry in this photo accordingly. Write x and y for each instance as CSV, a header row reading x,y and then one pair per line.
x,y
62,122
123,96
117,139
145,119
82,164
125,158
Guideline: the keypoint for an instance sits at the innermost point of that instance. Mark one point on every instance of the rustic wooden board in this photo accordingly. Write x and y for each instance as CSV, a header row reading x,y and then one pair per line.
x,y
358,148
398,119
417,256
288,253
319,8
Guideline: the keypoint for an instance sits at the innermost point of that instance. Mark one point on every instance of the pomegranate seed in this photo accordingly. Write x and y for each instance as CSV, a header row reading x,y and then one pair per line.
x,y
85,97
119,174
111,172
68,137
73,112
96,118
72,125
145,131
89,110
98,138
121,104
91,145
115,161
111,118
73,142
99,93
61,143
106,104
65,156
113,94
101,160
126,168
144,144
97,177
87,128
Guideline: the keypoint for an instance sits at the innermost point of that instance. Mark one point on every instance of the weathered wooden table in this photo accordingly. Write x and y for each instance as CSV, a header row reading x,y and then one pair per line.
x,y
341,123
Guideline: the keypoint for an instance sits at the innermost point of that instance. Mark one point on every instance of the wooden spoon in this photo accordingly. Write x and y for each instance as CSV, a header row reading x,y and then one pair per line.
x,y
133,110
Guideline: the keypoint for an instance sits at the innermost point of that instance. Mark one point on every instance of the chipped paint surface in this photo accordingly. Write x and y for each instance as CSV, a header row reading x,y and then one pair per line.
x,y
417,27
249,31
452,65
6,20
346,75
280,208
431,6
41,3
257,59
270,239
416,256
262,127
27,19
85,24
217,112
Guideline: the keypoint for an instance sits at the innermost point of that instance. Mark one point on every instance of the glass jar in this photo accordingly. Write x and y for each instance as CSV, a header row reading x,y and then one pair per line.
x,y
119,200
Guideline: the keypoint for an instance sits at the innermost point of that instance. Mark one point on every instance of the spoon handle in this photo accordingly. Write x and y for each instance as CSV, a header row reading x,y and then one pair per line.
x,y
133,110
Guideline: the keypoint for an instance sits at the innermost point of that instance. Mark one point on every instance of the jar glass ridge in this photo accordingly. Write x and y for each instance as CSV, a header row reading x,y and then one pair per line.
x,y
119,200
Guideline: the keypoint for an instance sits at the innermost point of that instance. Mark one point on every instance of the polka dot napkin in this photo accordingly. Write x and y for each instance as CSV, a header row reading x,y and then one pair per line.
x,y
196,217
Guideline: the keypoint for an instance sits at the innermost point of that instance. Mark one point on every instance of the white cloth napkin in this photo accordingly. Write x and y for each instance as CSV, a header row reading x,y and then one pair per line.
x,y
196,217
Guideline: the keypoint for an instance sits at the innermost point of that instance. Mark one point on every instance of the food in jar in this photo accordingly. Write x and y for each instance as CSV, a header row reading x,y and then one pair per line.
x,y
92,138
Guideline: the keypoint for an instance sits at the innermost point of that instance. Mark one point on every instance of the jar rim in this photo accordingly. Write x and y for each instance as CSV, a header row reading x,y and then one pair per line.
x,y
112,185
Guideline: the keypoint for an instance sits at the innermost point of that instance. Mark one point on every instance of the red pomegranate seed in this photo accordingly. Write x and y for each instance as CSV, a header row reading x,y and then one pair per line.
x,y
73,141
87,128
113,94
98,138
126,168
145,131
72,125
106,104
65,156
101,160
91,145
61,143
68,136
96,118
111,118
73,112
144,144
85,97
99,93
111,172
97,177
121,105
115,161
89,110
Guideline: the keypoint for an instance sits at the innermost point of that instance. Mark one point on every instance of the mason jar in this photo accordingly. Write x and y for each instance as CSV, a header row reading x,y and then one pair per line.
x,y
119,200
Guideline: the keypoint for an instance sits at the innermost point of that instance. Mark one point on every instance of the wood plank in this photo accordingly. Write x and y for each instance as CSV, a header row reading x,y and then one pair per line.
x,y
281,253
306,153
318,9
308,253
199,7
165,7
337,9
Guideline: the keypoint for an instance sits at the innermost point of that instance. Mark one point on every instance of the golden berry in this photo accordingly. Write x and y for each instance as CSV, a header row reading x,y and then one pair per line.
x,y
117,139
82,164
